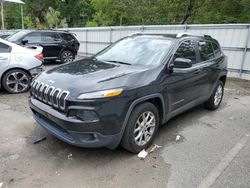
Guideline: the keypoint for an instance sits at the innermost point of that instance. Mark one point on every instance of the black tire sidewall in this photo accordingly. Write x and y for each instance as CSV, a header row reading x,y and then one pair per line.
x,y
210,103
128,141
11,71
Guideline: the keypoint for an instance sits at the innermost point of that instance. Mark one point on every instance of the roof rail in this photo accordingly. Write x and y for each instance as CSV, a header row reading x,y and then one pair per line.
x,y
136,33
179,35
63,30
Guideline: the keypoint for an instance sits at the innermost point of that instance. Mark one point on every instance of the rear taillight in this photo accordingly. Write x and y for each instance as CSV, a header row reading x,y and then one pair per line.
x,y
39,57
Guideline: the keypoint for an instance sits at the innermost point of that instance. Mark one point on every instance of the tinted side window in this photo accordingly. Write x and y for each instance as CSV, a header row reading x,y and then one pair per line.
x,y
50,37
4,48
34,37
68,37
206,50
217,51
186,50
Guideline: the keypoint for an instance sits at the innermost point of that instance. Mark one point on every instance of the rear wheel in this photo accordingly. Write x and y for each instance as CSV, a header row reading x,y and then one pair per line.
x,y
67,56
216,98
16,81
141,128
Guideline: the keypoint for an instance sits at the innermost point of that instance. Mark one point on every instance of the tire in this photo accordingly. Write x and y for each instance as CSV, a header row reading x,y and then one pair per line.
x,y
215,100
16,81
129,140
67,56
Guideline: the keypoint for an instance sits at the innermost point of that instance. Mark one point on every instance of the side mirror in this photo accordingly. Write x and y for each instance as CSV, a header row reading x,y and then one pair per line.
x,y
24,42
182,63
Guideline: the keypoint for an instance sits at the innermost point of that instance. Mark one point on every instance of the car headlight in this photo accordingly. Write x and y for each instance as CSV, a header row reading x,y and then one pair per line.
x,y
101,94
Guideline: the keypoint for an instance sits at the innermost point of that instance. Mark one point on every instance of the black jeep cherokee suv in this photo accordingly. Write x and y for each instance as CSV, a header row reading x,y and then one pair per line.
x,y
124,93
57,45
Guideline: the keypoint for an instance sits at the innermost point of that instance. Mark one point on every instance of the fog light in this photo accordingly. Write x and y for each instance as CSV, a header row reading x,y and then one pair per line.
x,y
86,115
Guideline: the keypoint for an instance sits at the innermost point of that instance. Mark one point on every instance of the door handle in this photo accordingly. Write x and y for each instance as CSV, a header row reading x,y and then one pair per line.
x,y
197,71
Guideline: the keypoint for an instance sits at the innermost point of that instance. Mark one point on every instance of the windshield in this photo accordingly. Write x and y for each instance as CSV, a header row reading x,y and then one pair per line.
x,y
16,36
136,50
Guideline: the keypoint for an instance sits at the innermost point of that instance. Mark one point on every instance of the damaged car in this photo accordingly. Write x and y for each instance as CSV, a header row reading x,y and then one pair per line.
x,y
125,92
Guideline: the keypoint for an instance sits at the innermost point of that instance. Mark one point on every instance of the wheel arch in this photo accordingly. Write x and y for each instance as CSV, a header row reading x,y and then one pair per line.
x,y
223,78
156,99
66,49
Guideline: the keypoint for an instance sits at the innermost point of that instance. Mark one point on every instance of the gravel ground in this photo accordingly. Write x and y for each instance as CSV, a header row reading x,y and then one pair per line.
x,y
213,149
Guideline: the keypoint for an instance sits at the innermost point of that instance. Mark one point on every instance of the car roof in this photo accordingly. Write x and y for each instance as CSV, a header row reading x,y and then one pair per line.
x,y
176,36
49,30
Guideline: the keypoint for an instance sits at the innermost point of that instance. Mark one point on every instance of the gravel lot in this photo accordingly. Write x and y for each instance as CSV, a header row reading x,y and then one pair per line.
x,y
213,149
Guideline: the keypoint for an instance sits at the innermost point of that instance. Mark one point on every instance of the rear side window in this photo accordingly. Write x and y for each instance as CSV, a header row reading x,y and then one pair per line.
x,y
50,37
4,48
217,51
34,37
206,50
186,50
68,37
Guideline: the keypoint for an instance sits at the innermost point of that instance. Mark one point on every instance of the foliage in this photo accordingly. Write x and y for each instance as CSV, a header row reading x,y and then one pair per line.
x,y
52,18
91,24
92,13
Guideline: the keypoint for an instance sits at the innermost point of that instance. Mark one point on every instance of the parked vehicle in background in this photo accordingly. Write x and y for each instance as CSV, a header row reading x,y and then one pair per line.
x,y
18,65
125,92
4,36
57,45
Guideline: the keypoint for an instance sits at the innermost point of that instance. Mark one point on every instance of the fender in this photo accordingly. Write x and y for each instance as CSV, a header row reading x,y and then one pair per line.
x,y
223,73
132,106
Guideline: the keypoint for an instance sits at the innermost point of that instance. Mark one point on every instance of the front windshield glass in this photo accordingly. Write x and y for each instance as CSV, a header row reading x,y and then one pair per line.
x,y
16,36
136,50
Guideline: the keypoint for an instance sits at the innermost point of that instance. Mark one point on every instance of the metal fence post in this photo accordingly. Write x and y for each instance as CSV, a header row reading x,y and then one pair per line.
x,y
110,35
185,28
142,28
86,50
245,50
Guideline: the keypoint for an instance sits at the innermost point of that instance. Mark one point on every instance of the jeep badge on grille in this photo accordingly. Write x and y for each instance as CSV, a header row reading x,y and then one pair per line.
x,y
51,81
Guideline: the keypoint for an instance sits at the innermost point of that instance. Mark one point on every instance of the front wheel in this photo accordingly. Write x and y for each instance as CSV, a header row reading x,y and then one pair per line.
x,y
16,81
141,128
67,56
216,98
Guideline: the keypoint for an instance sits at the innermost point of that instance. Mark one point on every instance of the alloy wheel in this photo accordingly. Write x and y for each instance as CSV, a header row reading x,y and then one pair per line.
x,y
17,82
218,95
67,57
144,128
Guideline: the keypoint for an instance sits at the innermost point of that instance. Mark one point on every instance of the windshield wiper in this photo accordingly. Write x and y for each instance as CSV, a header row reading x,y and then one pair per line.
x,y
120,62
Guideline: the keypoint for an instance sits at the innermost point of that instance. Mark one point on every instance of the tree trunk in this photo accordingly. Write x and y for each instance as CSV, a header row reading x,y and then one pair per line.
x,y
188,12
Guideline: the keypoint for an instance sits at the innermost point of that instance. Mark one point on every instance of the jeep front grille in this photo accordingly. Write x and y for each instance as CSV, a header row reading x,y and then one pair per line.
x,y
49,94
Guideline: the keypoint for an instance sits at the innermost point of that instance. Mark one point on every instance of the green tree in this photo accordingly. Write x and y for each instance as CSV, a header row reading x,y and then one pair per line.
x,y
12,15
52,18
76,12
90,13
224,11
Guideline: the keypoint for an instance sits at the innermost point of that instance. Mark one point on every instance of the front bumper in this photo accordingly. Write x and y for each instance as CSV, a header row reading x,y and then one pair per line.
x,y
35,71
72,131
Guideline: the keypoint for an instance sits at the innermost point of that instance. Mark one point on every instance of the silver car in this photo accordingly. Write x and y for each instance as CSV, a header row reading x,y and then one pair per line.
x,y
18,65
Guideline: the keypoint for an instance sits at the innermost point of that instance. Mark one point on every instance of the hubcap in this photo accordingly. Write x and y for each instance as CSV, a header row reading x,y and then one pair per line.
x,y
218,95
144,128
17,82
67,57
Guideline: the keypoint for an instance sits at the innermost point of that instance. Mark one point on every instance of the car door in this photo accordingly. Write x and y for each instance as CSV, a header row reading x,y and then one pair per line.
x,y
5,51
185,85
210,58
51,43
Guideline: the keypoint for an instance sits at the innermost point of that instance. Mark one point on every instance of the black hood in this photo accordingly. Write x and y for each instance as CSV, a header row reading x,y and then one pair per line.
x,y
89,75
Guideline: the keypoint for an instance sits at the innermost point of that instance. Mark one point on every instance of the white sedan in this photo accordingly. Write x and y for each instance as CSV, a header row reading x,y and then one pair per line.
x,y
18,65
